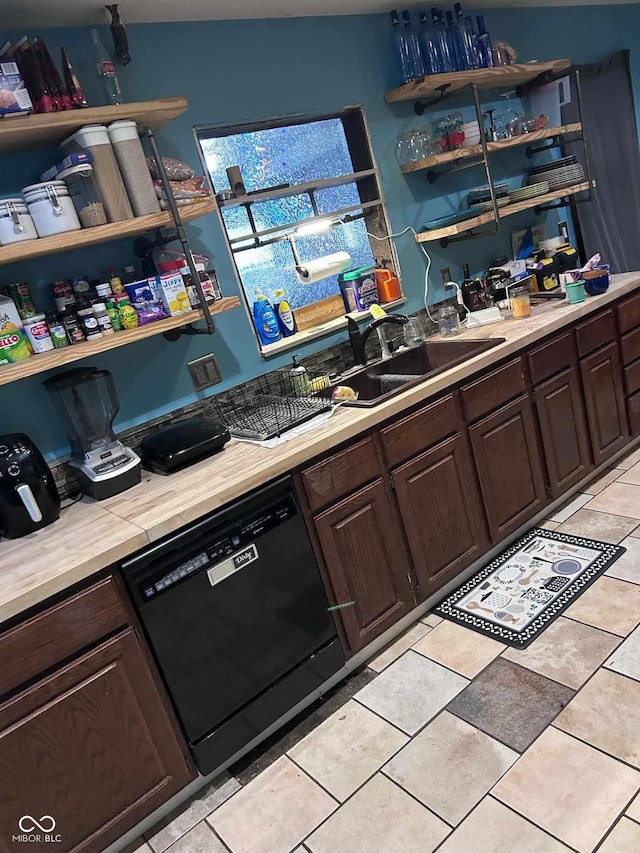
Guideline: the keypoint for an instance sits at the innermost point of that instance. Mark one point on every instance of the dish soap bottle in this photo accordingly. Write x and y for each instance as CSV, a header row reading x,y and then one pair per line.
x,y
264,319
299,379
284,316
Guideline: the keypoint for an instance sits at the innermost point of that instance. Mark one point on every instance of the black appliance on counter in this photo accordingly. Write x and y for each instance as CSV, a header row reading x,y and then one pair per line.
x,y
29,498
181,444
237,616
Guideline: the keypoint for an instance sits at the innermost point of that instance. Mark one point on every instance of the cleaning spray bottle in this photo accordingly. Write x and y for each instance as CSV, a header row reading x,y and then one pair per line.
x,y
265,320
281,306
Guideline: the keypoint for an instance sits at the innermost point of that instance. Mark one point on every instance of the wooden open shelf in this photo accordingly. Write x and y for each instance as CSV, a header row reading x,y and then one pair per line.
x,y
59,357
30,131
508,210
500,145
484,78
101,233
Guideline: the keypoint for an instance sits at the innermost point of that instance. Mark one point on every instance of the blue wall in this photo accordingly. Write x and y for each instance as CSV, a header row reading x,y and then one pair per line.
x,y
246,70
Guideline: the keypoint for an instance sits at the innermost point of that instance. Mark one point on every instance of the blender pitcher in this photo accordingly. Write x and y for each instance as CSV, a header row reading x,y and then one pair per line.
x,y
89,403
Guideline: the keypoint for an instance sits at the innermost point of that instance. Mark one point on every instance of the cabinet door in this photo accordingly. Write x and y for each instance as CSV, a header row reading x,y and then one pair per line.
x,y
366,559
563,427
604,399
92,746
441,512
505,446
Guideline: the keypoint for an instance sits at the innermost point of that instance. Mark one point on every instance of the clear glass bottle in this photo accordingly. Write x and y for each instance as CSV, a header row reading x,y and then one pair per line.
x,y
106,71
400,52
465,35
485,49
428,43
444,48
413,43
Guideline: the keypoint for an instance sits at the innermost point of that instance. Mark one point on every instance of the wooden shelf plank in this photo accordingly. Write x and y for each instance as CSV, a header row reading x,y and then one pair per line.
x,y
508,210
21,132
297,189
484,78
101,233
500,145
88,349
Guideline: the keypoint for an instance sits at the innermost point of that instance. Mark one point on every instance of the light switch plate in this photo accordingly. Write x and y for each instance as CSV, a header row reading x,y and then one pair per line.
x,y
204,372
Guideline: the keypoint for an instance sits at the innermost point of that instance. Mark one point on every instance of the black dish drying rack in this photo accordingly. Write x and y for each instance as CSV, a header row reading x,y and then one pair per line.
x,y
269,405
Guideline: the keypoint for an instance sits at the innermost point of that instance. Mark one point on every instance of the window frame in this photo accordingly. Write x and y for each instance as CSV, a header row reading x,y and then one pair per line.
x,y
369,190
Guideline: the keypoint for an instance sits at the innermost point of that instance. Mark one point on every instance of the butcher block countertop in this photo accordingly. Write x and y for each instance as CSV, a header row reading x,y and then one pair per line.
x,y
91,536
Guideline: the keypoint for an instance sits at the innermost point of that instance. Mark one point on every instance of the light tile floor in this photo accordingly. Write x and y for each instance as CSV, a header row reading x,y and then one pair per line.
x,y
451,742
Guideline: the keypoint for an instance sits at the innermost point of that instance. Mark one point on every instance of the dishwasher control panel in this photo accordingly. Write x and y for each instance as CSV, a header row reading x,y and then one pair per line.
x,y
218,550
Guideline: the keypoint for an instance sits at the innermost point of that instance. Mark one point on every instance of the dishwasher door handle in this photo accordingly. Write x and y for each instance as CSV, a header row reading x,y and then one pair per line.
x,y
221,571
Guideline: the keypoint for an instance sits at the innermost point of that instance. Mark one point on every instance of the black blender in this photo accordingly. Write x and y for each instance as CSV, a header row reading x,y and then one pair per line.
x,y
102,465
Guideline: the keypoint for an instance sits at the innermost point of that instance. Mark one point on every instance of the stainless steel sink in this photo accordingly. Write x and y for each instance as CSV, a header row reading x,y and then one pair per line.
x,y
378,382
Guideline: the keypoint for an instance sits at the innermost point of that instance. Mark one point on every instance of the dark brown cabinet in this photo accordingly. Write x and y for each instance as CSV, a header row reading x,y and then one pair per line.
x,y
92,746
367,563
505,447
563,429
441,513
604,401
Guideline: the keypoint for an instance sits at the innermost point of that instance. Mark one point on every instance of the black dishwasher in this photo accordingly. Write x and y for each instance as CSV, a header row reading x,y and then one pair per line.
x,y
237,617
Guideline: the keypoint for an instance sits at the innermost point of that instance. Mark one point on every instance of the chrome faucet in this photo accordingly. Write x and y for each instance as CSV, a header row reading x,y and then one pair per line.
x,y
359,339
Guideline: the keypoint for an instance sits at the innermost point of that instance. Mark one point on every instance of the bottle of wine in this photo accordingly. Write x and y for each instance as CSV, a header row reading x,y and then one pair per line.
x,y
106,71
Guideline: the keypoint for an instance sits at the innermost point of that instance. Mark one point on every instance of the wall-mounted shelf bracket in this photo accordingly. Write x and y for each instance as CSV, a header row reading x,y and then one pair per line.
x,y
174,335
469,235
530,150
433,175
420,106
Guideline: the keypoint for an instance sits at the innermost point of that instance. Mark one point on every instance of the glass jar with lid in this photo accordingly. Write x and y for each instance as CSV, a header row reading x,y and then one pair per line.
x,y
449,321
51,208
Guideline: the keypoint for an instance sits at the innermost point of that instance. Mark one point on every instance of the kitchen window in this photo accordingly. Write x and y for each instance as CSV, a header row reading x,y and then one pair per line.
x,y
298,171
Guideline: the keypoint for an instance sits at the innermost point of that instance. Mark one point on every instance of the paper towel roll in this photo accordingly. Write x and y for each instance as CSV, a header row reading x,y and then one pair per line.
x,y
320,268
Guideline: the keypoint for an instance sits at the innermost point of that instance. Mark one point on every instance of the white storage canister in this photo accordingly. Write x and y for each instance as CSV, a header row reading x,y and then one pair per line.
x,y
94,137
133,167
16,223
51,208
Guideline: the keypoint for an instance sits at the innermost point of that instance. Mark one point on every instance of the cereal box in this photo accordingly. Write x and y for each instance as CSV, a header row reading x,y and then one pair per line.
x,y
14,97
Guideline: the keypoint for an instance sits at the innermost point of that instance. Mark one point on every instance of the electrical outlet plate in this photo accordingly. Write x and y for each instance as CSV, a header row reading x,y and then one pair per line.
x,y
204,372
445,272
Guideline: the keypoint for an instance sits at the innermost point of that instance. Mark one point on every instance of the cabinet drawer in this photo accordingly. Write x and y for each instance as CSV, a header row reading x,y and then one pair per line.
x,y
629,314
419,431
552,357
633,405
45,640
630,346
335,477
632,377
492,391
595,333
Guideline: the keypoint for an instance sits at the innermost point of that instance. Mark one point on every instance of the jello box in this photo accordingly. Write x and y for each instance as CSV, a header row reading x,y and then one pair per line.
x,y
171,291
14,97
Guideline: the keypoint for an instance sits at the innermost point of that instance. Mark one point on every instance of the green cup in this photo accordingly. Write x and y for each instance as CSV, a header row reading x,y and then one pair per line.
x,y
575,291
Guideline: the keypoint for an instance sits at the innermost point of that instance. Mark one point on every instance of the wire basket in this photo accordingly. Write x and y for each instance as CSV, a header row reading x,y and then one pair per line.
x,y
272,404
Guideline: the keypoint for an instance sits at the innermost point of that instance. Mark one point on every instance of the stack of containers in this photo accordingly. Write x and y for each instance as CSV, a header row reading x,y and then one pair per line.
x,y
111,189
133,167
16,223
51,208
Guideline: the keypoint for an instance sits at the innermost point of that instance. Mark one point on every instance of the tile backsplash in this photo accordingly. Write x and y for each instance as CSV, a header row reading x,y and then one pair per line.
x,y
333,360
